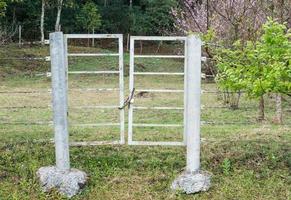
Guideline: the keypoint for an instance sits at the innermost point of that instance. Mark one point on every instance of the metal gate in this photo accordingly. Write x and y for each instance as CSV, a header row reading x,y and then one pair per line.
x,y
132,89
121,82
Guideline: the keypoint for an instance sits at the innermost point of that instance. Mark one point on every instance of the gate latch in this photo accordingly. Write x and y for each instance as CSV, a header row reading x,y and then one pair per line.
x,y
128,101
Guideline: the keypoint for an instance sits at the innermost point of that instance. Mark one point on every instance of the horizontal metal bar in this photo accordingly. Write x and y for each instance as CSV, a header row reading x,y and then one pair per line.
x,y
157,125
25,107
164,38
203,123
227,123
93,72
48,74
92,54
35,42
92,107
100,36
114,107
49,90
156,143
49,107
158,73
94,89
107,89
95,125
204,91
26,92
159,90
221,92
157,108
94,143
158,56
25,58
27,123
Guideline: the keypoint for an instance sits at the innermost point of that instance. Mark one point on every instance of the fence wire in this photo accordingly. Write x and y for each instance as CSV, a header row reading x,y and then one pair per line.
x,y
48,91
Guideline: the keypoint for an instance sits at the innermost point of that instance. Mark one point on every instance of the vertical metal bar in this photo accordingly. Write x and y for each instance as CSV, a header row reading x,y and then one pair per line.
x,y
185,88
193,92
121,89
60,107
131,86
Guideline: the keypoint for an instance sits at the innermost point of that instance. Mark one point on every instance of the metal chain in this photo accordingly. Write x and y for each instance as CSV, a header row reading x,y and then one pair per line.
x,y
127,102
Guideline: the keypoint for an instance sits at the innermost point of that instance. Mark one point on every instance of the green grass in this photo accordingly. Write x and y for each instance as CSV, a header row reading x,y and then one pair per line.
x,y
248,161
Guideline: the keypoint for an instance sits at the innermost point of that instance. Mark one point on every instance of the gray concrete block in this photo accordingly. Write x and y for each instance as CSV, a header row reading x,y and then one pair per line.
x,y
192,182
68,183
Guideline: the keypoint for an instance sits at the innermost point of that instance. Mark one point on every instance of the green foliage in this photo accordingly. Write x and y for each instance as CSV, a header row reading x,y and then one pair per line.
x,y
115,17
274,52
155,18
226,166
231,66
145,17
89,17
259,68
209,36
3,5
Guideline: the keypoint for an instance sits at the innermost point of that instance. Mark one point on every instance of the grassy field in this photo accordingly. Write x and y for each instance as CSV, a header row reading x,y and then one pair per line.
x,y
248,160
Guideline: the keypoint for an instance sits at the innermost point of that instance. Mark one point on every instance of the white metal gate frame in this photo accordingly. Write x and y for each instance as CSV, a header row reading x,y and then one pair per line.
x,y
121,83
132,73
59,69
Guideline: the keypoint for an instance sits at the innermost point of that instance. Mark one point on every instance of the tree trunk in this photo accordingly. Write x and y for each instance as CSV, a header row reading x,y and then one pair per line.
x,y
261,114
127,42
278,119
282,3
130,3
207,15
57,25
140,50
42,21
19,36
88,40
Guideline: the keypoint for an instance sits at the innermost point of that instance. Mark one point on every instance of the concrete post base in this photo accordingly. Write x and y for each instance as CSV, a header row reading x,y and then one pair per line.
x,y
192,182
67,183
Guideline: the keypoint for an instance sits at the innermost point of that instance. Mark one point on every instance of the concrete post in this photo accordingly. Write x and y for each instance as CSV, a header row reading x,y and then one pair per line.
x,y
193,179
60,104
66,180
192,104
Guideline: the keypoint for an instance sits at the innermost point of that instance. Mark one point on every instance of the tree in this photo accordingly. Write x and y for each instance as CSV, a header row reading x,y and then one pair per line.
x,y
3,5
258,67
231,66
42,21
44,4
282,11
153,14
274,50
231,19
59,11
89,17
